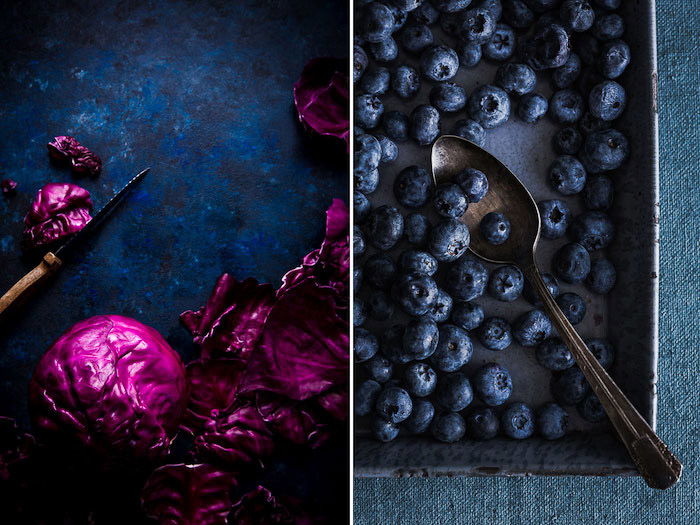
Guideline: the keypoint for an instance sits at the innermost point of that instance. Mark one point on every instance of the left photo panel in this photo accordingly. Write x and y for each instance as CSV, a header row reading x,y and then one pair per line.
x,y
174,262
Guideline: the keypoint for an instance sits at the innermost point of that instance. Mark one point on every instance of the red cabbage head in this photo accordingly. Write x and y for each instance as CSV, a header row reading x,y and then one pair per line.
x,y
111,385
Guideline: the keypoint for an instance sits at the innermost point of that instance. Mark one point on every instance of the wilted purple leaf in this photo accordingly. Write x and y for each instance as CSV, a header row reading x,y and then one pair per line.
x,y
8,186
68,150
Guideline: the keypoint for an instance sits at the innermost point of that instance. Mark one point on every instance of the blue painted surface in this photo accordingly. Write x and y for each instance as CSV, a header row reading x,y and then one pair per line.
x,y
200,91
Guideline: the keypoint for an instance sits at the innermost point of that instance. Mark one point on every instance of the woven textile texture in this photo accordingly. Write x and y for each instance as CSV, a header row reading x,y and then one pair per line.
x,y
496,501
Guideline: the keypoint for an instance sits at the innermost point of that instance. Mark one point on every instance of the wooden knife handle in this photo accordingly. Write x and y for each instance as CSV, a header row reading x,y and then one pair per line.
x,y
45,269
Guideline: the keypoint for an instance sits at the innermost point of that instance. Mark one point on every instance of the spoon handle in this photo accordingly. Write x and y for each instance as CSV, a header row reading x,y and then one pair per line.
x,y
656,463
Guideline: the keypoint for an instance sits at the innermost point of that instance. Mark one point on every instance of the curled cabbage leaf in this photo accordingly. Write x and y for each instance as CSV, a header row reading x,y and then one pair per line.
x,y
225,428
58,210
8,187
67,150
182,494
300,422
231,321
261,507
321,97
111,385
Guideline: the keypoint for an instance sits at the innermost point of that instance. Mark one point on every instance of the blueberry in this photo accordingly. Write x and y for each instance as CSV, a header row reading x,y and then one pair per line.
x,y
395,125
416,294
439,63
547,48
368,110
614,58
608,27
366,397
489,106
605,150
384,51
593,230
449,200
598,193
405,82
552,421
590,124
555,217
549,281
515,79
553,354
570,386
361,206
477,26
454,349
357,278
502,44
494,7
448,240
466,279
389,149
359,62
609,5
424,124
588,48
469,54
448,97
517,14
379,271
591,409
365,180
359,312
415,38
384,430
413,187
602,350
602,277
467,315
376,81
454,392
567,175
379,305
420,379
506,283
492,384
531,328
518,421
420,338
532,108
567,141
471,130
417,262
495,334
440,311
368,152
391,345
482,424
448,427
399,14
365,345
376,22
450,6
358,241
416,227
565,75
495,227
406,5
566,106
384,227
577,15
450,22
425,14
572,306
421,416
473,182
394,404
572,263
607,100
379,368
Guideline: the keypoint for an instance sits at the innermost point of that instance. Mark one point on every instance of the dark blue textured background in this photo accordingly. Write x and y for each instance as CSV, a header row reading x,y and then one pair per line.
x,y
200,91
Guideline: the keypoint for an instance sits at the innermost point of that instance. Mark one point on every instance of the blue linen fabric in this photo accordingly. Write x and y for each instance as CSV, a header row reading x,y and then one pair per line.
x,y
565,500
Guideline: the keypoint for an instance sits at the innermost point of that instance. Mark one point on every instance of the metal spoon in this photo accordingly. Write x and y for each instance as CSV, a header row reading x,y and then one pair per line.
x,y
450,155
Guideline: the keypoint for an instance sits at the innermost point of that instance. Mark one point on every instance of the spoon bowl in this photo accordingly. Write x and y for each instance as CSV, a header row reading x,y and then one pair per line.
x,y
507,195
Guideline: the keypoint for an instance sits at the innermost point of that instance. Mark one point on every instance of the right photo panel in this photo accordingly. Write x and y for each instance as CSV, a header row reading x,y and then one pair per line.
x,y
506,263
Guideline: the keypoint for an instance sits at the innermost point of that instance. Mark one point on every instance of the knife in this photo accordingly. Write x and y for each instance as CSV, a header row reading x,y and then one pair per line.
x,y
52,261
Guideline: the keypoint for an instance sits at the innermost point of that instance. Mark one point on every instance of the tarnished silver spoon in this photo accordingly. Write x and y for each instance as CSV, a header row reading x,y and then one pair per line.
x,y
450,155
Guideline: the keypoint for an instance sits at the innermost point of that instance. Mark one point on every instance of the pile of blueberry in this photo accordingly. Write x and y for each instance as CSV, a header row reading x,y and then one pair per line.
x,y
408,266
